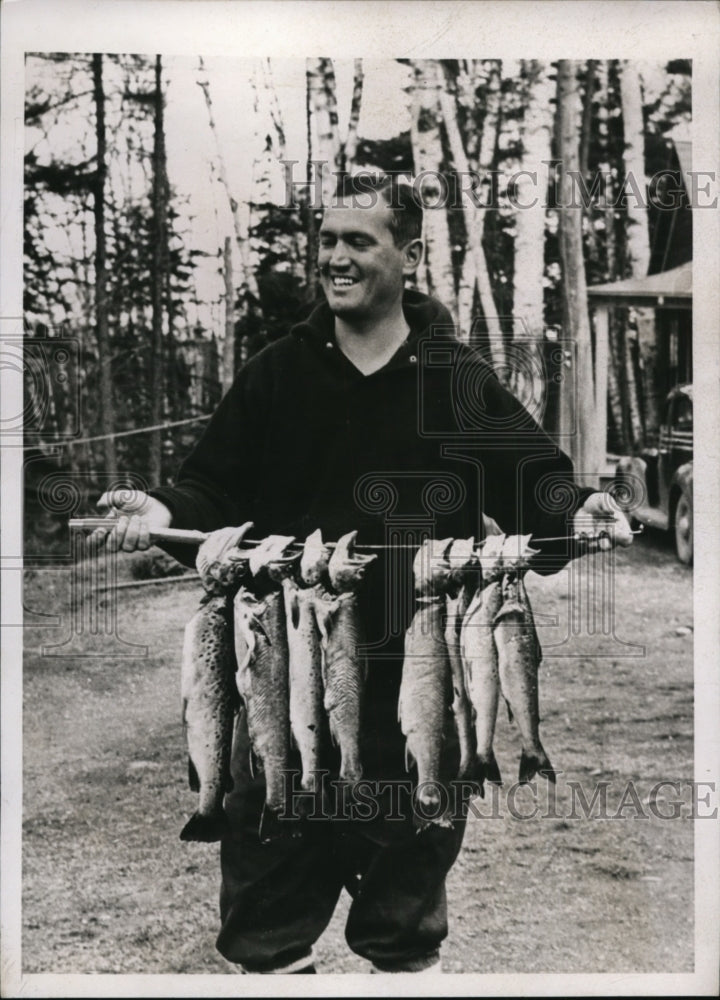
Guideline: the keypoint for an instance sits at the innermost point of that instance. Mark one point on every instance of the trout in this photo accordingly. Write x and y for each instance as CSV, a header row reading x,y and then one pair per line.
x,y
479,657
307,719
426,682
209,702
462,557
262,674
519,655
343,668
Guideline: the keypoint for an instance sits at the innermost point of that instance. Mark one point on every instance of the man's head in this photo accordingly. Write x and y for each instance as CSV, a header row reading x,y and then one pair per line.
x,y
370,241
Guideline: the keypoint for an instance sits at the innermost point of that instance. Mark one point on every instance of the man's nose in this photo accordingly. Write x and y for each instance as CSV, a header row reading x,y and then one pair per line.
x,y
339,256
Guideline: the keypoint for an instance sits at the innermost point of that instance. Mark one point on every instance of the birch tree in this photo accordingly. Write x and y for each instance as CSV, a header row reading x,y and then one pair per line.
x,y
473,224
428,158
158,277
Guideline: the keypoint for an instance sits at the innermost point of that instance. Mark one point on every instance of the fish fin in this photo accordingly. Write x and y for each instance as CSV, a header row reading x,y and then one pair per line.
x,y
421,823
489,770
409,759
333,732
272,827
511,717
206,829
532,764
294,606
184,711
193,779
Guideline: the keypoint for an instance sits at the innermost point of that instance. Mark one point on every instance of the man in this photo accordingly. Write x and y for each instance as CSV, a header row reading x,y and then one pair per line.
x,y
351,422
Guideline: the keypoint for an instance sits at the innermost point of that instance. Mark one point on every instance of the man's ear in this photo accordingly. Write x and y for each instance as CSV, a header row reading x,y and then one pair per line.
x,y
413,254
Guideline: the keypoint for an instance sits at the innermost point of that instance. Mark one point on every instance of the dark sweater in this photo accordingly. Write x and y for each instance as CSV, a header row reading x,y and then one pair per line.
x,y
304,440
421,447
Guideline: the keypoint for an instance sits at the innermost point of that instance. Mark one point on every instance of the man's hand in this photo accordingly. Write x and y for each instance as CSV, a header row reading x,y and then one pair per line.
x,y
600,515
134,515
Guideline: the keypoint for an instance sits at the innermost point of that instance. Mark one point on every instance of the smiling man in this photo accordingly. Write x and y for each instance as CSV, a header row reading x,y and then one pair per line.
x,y
339,426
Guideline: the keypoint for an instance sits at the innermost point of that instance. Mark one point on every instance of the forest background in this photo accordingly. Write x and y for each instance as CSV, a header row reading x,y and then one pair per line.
x,y
163,247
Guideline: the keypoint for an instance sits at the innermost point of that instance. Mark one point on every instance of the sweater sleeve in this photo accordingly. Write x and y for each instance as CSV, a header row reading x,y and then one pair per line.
x,y
530,486
214,484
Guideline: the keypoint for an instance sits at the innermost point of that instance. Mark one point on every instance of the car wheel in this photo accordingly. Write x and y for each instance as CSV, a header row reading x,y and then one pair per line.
x,y
684,529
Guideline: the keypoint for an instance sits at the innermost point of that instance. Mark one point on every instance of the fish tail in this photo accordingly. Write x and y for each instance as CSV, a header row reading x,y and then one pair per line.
x,y
424,823
272,827
532,764
206,829
489,770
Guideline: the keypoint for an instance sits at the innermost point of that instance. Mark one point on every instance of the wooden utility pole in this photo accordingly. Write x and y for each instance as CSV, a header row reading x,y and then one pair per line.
x,y
580,435
228,353
158,282
102,332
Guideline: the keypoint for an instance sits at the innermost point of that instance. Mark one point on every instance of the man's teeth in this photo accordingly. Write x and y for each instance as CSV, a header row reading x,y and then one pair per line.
x,y
343,282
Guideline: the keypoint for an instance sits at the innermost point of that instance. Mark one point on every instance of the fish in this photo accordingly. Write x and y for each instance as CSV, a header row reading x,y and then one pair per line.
x,y
461,557
426,690
262,674
519,656
210,701
307,718
482,679
479,657
344,669
423,704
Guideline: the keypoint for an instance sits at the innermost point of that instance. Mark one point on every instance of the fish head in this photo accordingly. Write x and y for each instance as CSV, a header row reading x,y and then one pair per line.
x,y
315,559
463,561
346,567
271,556
431,566
491,557
516,551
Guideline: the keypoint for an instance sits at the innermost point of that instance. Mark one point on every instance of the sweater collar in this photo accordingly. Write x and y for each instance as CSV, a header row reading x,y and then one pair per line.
x,y
424,315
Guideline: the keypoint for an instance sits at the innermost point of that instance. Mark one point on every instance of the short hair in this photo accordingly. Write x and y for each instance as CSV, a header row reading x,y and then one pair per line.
x,y
407,209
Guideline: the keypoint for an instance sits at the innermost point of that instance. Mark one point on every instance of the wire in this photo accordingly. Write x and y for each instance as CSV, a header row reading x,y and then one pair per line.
x,y
118,434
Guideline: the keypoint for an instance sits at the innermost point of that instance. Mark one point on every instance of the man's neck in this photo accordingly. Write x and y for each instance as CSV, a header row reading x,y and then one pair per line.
x,y
371,346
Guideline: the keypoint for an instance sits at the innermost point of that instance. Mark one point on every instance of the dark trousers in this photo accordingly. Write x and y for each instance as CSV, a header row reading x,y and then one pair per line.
x,y
277,898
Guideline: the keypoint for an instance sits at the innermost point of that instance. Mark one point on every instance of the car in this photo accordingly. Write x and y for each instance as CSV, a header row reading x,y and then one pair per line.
x,y
655,488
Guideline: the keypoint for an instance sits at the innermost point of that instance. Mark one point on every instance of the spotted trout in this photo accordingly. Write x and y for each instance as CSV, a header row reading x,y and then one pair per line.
x,y
307,717
426,689
209,700
262,675
479,658
344,669
519,656
462,559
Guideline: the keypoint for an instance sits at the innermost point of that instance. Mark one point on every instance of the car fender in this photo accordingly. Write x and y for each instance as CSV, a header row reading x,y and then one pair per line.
x,y
631,482
683,480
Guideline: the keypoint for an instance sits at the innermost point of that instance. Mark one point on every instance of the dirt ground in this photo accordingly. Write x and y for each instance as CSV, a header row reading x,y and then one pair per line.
x,y
109,887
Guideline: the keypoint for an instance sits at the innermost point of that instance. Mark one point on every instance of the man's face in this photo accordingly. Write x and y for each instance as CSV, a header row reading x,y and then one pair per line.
x,y
361,268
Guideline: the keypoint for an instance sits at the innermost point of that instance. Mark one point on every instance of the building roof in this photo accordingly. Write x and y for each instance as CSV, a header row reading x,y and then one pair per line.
x,y
668,288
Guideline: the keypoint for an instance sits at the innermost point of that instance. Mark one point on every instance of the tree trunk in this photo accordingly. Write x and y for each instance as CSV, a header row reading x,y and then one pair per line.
x,y
529,266
473,226
228,354
321,77
311,245
428,158
158,279
638,236
577,411
349,149
248,284
106,402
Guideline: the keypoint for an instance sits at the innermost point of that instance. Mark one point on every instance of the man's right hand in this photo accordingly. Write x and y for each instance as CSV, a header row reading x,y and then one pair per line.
x,y
134,515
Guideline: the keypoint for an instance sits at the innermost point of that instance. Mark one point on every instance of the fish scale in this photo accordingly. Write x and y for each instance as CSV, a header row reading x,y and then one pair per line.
x,y
209,704
305,678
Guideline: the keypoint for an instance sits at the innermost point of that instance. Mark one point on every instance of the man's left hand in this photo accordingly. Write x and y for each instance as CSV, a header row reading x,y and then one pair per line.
x,y
601,518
